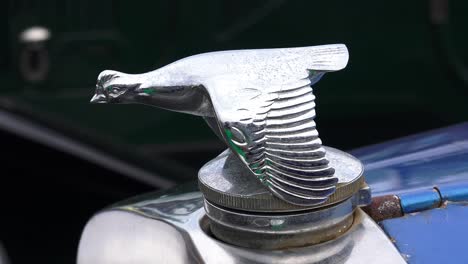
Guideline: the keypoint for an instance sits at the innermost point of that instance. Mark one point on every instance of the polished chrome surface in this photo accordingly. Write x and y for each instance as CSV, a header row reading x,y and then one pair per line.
x,y
258,101
225,182
172,228
281,231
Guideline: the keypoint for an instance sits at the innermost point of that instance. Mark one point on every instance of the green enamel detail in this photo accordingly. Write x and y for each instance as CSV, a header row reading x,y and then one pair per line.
x,y
276,227
148,90
236,148
258,171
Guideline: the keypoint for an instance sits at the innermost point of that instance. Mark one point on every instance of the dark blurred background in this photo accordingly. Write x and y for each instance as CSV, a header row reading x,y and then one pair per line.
x,y
63,159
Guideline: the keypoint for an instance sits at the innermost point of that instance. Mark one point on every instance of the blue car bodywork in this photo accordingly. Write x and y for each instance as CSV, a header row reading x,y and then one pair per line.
x,y
429,174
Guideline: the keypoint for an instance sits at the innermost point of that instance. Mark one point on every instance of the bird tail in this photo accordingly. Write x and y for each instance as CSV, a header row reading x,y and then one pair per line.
x,y
327,58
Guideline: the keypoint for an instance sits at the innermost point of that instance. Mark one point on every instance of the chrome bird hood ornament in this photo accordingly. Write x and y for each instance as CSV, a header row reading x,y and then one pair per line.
x,y
260,102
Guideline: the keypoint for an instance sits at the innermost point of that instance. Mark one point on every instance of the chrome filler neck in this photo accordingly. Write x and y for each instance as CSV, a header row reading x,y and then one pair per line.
x,y
244,213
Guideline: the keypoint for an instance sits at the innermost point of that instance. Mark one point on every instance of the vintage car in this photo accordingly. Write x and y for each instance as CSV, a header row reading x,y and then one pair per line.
x,y
419,201
277,195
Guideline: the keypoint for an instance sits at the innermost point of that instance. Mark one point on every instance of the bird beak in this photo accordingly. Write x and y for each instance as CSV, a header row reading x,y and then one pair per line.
x,y
99,98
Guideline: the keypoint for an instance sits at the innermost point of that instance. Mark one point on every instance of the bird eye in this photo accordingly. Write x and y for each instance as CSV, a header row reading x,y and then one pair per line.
x,y
113,89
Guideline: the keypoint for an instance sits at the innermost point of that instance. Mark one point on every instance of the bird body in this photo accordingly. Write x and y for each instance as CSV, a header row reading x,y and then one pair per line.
x,y
260,102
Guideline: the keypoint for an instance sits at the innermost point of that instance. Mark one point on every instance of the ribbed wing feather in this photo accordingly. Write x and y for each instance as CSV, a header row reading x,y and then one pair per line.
x,y
288,156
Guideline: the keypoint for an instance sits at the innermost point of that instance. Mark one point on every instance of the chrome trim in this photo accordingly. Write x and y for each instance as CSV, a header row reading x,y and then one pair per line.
x,y
172,228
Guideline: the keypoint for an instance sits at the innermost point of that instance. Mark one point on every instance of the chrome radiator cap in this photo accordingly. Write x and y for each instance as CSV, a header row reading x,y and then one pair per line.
x,y
225,183
276,194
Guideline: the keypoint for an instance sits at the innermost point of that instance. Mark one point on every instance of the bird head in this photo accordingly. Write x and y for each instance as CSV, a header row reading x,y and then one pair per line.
x,y
157,88
115,87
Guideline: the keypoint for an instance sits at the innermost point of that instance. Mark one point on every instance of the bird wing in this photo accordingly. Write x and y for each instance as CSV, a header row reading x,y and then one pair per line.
x,y
265,108
273,132
292,161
